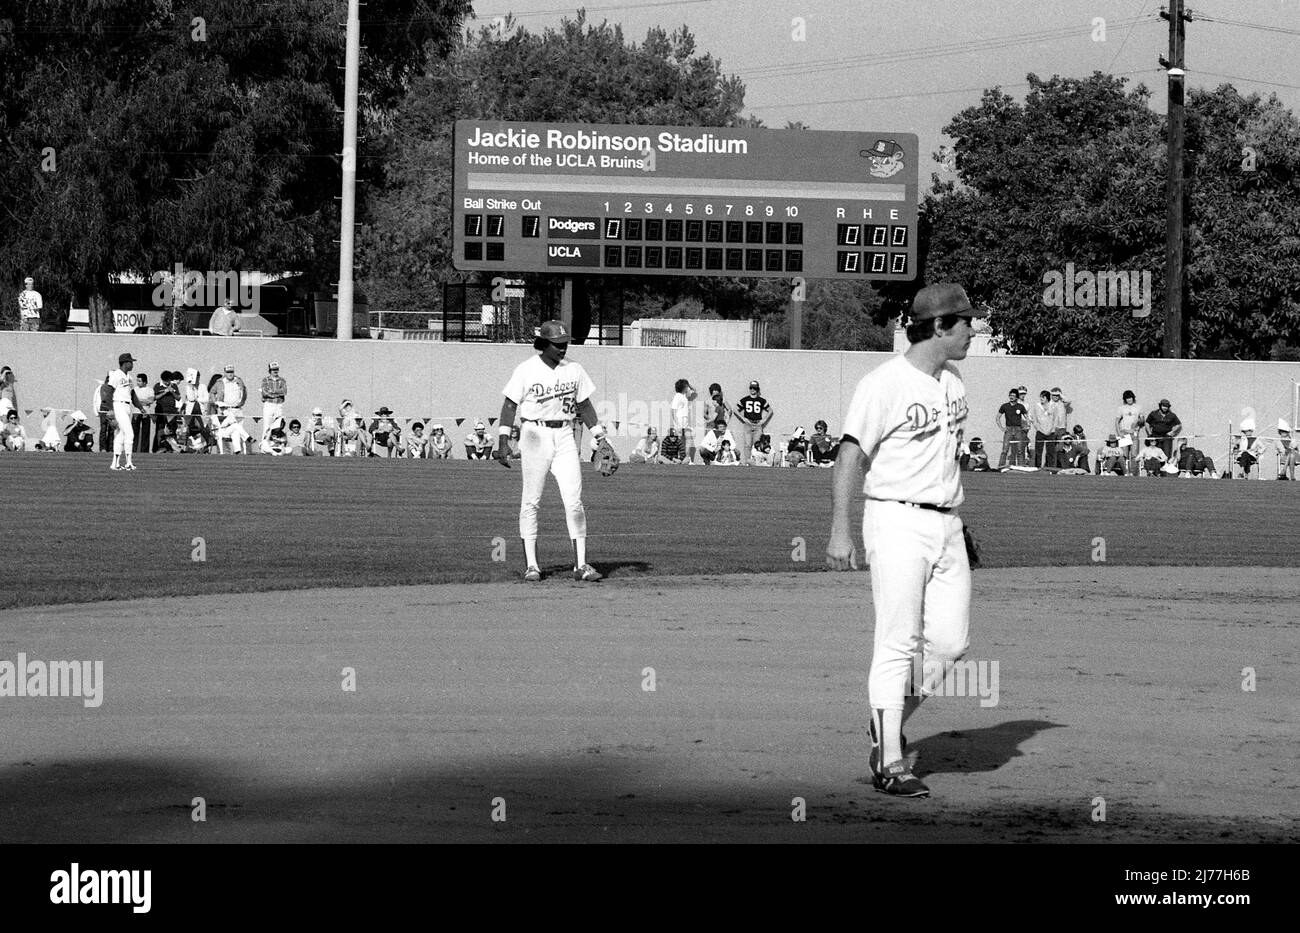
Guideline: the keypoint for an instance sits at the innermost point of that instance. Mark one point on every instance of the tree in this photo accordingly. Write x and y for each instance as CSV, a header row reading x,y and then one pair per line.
x,y
591,75
141,133
1076,174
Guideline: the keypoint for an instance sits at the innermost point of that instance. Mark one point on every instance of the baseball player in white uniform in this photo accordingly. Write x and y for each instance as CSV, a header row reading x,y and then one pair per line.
x,y
904,429
548,392
123,406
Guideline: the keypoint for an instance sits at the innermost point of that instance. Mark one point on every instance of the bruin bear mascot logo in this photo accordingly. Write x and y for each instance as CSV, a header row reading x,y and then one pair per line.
x,y
885,157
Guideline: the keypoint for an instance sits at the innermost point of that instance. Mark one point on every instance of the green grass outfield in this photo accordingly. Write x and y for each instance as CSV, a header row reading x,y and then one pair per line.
x,y
74,531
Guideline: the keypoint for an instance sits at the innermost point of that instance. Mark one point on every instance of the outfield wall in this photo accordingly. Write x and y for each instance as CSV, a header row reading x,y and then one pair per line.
x,y
447,381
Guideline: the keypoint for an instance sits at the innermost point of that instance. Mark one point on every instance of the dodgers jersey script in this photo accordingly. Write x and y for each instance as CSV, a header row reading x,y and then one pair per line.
x,y
545,394
910,426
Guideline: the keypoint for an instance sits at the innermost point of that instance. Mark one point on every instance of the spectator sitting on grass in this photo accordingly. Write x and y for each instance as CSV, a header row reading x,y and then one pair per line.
x,y
796,450
1110,458
513,443
478,446
295,441
672,450
13,433
386,435
726,456
976,459
8,394
439,443
647,449
168,441
822,446
79,438
1153,457
1074,450
417,442
1193,463
713,440
761,455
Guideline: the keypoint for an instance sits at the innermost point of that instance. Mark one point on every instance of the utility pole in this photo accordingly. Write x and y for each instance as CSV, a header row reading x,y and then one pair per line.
x,y
348,212
1174,256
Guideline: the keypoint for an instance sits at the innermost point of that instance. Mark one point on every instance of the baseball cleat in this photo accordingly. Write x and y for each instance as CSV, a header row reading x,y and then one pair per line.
x,y
874,756
129,466
897,780
586,573
114,466
532,575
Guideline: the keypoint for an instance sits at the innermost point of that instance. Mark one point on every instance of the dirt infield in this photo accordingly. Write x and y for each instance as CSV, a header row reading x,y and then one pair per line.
x,y
1117,683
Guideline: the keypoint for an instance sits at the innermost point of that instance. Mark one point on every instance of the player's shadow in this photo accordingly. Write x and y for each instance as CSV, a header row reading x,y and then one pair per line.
x,y
974,750
609,568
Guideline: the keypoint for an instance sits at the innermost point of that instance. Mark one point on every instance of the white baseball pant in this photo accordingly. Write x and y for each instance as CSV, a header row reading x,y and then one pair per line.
x,y
550,450
124,439
270,412
920,588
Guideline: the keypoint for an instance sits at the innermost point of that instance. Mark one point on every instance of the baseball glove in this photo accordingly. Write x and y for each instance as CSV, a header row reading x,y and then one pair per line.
x,y
606,458
972,547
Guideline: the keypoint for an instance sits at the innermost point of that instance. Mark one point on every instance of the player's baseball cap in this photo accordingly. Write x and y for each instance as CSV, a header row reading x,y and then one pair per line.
x,y
272,365
553,331
934,301
125,358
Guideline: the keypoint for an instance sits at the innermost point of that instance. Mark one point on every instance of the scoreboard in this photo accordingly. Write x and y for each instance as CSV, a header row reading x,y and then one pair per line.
x,y
664,200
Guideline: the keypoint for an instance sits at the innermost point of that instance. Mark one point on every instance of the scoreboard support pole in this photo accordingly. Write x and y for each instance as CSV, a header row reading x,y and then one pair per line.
x,y
795,319
566,304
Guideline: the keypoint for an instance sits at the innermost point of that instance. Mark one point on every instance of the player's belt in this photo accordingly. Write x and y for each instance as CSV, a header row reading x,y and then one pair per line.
x,y
928,506
276,400
547,424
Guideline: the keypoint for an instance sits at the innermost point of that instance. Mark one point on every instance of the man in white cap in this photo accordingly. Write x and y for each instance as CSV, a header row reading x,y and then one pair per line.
x,y
274,390
903,430
30,304
230,399
478,446
1286,451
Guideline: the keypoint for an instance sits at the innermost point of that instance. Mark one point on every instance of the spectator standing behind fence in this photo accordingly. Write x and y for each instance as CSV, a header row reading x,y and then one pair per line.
x,y
30,304
274,392
1061,408
681,414
102,404
8,390
142,420
166,403
1010,419
754,414
1129,422
1163,425
1040,419
1287,454
225,320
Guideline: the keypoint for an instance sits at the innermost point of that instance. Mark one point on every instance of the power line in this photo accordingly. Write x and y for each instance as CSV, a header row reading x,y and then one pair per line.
x,y
1282,30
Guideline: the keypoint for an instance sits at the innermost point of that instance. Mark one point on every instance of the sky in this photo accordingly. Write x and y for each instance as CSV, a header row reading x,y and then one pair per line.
x,y
911,65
